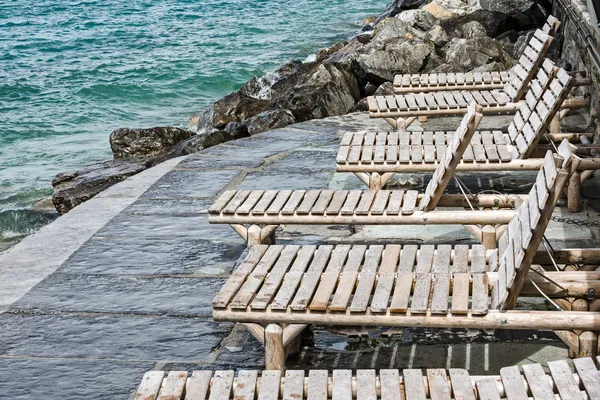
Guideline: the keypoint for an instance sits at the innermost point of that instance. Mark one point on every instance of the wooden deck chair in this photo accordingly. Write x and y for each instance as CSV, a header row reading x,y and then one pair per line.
x,y
255,214
514,382
376,156
531,59
289,287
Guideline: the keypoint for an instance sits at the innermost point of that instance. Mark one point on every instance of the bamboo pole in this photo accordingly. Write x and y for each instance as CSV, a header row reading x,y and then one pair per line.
x,y
512,319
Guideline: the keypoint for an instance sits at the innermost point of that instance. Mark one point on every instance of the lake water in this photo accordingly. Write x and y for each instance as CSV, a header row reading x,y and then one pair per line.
x,y
73,71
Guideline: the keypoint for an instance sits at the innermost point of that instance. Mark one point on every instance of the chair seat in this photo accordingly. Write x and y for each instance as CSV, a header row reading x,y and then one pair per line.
x,y
368,148
452,101
386,384
410,83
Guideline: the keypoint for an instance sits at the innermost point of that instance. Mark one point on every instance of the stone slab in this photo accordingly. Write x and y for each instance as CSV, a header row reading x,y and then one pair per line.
x,y
151,256
277,179
40,254
155,295
69,379
114,337
185,184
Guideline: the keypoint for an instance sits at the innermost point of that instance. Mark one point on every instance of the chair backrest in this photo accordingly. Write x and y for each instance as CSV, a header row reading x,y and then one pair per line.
x,y
454,152
519,243
551,25
533,118
523,72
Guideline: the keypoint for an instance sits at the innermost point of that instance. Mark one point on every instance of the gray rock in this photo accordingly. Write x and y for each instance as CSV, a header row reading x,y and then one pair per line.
x,y
521,43
317,90
370,89
126,143
420,19
396,7
236,129
385,89
473,30
491,67
437,35
393,28
73,188
270,119
467,54
259,87
398,56
204,141
235,107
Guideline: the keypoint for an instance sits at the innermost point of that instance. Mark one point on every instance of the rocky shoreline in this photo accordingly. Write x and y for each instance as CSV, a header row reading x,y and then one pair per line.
x,y
410,36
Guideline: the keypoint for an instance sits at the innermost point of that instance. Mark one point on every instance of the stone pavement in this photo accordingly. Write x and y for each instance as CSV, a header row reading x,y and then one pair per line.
x,y
123,283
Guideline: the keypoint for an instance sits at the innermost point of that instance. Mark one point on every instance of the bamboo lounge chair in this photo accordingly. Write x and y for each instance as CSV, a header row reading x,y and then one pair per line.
x,y
263,211
531,59
376,156
394,285
514,382
401,110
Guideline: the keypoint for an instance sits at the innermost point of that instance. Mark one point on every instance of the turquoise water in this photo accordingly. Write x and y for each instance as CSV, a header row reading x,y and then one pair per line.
x,y
73,71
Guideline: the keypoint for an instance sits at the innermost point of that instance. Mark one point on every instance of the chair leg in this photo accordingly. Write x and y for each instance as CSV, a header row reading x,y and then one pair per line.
x,y
274,349
400,124
422,118
588,344
574,193
488,236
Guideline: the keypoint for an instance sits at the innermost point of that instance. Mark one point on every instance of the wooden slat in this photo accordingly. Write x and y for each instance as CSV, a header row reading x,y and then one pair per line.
x,y
342,385
221,201
235,202
366,200
410,202
274,206
537,380
439,388
317,385
421,293
245,386
404,282
380,202
461,258
462,387
294,385
295,275
390,384
513,383
198,385
270,384
563,380
273,280
441,292
222,383
250,202
460,293
150,386
589,375
322,202
480,294
367,279
395,202
366,384
238,277
255,280
385,282
346,282
487,389
351,202
413,384
292,203
328,281
308,201
339,197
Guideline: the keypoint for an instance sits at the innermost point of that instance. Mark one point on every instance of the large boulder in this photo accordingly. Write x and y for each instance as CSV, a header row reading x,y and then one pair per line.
x,y
235,107
467,54
73,188
127,143
270,119
395,7
397,56
420,19
205,140
316,90
472,30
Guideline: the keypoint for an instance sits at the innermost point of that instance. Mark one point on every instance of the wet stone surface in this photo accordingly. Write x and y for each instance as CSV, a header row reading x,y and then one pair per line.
x,y
137,295
119,337
69,379
122,294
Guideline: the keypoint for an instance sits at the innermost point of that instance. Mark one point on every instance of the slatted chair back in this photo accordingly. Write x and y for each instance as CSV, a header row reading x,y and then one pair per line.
x,y
551,25
523,72
520,242
527,123
454,152
540,117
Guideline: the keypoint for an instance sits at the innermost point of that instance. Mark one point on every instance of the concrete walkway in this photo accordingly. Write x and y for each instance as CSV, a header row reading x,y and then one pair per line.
x,y
123,283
